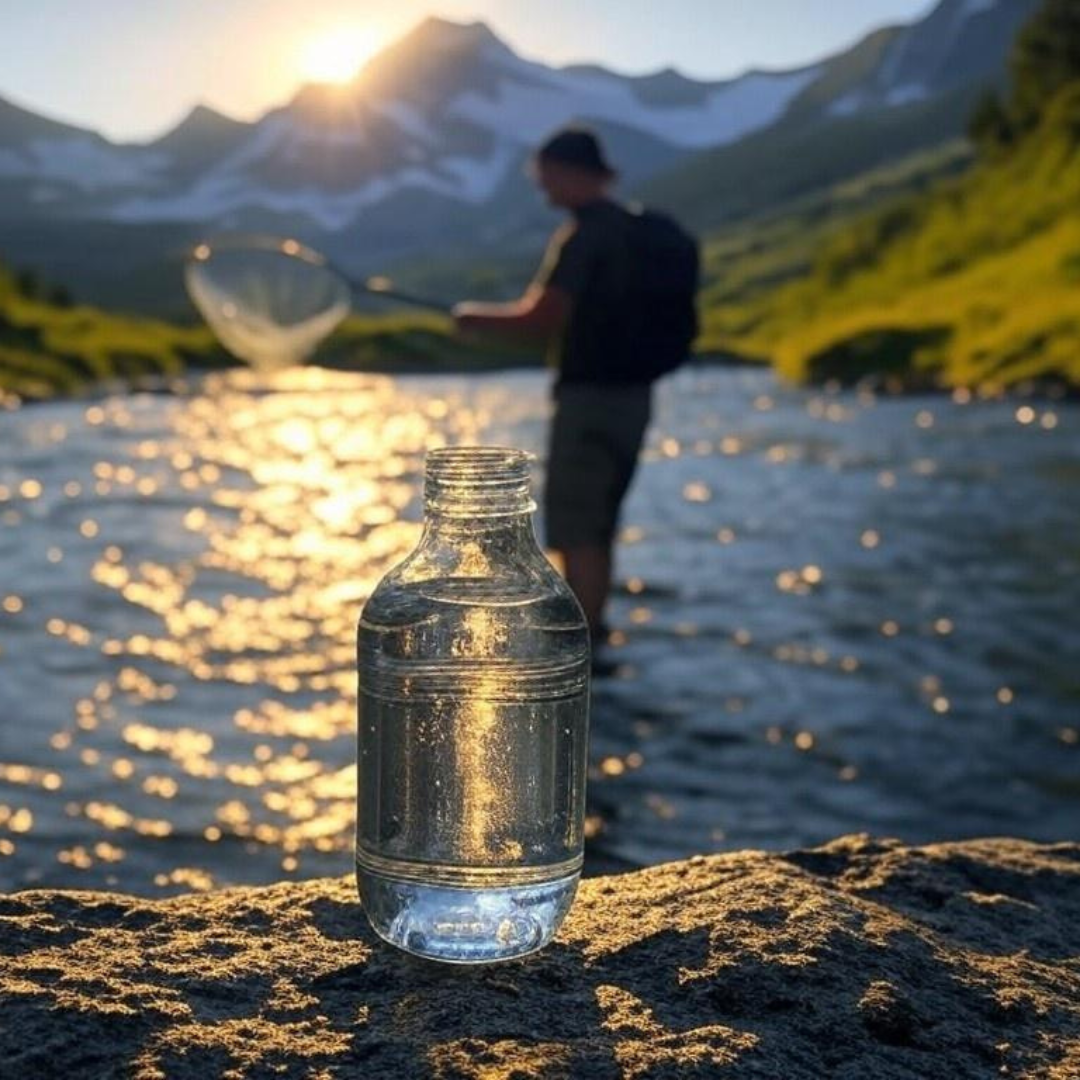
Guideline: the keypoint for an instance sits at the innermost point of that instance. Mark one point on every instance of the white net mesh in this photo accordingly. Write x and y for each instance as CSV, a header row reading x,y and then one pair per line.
x,y
270,302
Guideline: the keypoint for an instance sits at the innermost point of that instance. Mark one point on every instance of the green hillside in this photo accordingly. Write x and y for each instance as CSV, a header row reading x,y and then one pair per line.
x,y
48,346
975,282
745,265
794,159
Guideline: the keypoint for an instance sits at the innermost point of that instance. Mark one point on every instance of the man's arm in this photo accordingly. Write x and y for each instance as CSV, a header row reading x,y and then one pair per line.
x,y
542,310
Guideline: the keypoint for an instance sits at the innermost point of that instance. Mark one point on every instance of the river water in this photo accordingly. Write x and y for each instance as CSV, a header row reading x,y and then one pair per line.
x,y
835,613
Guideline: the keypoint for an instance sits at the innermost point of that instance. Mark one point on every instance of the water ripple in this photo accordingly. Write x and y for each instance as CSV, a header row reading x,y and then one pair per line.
x,y
835,612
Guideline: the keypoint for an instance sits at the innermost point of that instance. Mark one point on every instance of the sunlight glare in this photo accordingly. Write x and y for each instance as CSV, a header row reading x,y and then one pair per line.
x,y
335,56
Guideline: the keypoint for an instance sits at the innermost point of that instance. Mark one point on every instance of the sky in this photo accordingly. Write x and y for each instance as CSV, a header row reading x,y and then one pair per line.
x,y
131,69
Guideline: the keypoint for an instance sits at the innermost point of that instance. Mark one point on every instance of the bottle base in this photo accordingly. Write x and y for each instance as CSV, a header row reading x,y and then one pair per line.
x,y
464,925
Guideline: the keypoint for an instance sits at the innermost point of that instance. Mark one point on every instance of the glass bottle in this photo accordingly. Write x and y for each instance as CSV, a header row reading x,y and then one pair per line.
x,y
473,660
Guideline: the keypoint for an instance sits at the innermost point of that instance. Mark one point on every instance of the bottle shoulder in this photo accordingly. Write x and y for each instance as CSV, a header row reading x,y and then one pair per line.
x,y
511,600
437,618
470,574
483,589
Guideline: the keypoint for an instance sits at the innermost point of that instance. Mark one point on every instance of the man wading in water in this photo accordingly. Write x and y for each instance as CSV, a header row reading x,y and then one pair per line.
x,y
615,295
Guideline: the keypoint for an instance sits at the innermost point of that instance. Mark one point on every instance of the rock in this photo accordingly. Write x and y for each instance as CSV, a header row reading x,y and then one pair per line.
x,y
861,959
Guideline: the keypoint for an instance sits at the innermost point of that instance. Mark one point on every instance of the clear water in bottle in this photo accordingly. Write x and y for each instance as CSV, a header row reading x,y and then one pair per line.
x,y
473,664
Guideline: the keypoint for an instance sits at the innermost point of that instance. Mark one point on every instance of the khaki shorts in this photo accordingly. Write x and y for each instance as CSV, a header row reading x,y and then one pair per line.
x,y
596,435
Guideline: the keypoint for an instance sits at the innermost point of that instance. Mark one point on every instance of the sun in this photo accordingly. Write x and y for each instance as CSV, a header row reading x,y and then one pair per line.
x,y
335,56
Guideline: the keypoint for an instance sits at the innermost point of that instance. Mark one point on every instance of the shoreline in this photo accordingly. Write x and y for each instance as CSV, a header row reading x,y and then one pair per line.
x,y
880,385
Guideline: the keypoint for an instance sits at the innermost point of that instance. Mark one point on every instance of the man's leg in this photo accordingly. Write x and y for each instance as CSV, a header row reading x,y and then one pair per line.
x,y
596,434
588,573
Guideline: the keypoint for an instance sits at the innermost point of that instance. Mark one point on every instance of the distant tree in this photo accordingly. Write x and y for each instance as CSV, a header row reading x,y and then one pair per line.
x,y
990,127
1045,58
59,296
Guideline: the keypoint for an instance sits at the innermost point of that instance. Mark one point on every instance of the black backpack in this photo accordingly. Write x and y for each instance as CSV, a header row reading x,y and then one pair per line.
x,y
664,272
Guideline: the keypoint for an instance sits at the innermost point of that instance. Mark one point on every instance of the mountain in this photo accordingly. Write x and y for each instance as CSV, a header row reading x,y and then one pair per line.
x,y
960,42
50,167
898,91
199,141
449,112
423,151
20,126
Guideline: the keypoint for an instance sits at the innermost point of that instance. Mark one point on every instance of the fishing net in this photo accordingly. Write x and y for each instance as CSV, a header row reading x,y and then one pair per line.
x,y
270,302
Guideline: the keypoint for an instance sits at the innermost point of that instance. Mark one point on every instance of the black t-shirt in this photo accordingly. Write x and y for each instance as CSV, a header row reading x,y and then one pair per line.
x,y
588,259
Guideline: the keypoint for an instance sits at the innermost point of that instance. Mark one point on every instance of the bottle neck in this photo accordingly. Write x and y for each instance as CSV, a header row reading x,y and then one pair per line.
x,y
477,488
484,530
477,511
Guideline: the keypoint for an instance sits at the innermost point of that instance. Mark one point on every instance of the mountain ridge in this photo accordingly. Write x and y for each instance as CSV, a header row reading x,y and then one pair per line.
x,y
422,151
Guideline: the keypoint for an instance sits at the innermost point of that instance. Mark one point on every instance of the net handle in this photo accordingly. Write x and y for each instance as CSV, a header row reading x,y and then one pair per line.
x,y
383,286
377,285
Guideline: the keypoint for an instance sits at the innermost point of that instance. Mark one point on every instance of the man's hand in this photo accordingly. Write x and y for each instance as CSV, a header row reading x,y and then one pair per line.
x,y
540,312
468,317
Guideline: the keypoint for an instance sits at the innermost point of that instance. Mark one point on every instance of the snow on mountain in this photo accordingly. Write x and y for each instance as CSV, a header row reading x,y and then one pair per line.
x,y
426,148
960,41
224,192
448,113
46,153
533,99
407,117
84,161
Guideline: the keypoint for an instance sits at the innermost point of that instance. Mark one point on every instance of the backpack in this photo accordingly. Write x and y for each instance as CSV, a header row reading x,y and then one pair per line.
x,y
664,272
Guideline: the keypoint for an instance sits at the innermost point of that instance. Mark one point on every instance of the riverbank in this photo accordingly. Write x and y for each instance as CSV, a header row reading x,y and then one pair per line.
x,y
49,351
862,958
60,381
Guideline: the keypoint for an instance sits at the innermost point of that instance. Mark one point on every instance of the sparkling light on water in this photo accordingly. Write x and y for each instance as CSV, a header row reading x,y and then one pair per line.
x,y
830,606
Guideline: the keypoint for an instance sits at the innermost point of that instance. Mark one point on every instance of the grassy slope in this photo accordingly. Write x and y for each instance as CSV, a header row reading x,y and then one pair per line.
x,y
794,159
976,282
47,349
746,264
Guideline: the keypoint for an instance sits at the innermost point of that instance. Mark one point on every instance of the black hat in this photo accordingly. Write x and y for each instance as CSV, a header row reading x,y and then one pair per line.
x,y
575,146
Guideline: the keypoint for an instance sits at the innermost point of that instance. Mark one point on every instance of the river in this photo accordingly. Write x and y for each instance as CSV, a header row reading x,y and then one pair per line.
x,y
835,612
